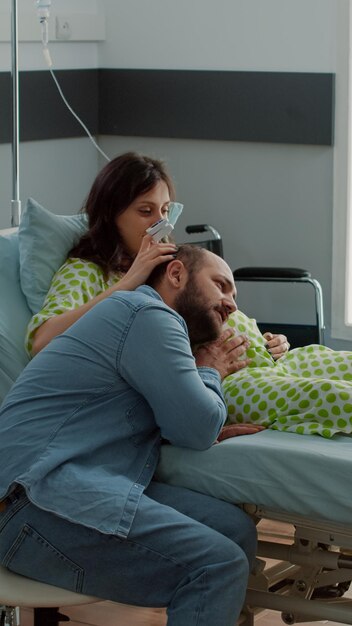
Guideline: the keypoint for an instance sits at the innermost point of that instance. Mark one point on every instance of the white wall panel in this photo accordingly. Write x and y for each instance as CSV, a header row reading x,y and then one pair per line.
x,y
276,35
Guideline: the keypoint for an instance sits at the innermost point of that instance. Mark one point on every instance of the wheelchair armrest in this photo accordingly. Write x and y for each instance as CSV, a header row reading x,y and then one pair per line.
x,y
196,228
202,228
270,273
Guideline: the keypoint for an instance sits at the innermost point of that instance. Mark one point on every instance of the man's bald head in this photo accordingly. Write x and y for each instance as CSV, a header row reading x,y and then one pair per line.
x,y
192,257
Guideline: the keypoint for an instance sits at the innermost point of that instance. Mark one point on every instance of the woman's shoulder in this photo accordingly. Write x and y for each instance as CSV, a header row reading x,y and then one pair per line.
x,y
76,273
76,263
76,268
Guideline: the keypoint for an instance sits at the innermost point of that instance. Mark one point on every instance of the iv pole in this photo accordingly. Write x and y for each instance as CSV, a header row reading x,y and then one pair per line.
x,y
15,202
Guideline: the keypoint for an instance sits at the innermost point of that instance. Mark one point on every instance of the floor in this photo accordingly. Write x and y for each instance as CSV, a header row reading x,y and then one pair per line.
x,y
110,614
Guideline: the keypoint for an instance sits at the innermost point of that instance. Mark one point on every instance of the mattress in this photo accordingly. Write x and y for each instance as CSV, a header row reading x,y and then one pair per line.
x,y
298,474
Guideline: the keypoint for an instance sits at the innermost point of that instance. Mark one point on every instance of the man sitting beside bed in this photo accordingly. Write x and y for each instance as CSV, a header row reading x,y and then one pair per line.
x,y
80,434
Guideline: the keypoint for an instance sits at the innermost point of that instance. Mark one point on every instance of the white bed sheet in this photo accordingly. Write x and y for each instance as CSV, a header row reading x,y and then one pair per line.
x,y
299,474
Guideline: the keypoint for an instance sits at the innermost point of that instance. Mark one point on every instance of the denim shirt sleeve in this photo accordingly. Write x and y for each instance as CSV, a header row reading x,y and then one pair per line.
x,y
156,360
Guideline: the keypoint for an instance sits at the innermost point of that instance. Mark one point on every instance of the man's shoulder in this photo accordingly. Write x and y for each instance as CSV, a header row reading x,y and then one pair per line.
x,y
141,297
144,300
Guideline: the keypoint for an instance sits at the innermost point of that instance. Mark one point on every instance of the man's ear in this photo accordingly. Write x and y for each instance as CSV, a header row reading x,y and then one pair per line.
x,y
176,274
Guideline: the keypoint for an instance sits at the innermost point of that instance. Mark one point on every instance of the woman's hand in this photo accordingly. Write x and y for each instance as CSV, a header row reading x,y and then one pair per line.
x,y
277,345
224,354
150,255
234,430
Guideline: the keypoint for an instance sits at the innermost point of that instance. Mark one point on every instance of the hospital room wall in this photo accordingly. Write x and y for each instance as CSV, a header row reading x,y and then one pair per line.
x,y
56,172
272,203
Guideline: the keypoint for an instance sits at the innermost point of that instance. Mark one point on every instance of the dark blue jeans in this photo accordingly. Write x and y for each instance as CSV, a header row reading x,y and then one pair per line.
x,y
186,551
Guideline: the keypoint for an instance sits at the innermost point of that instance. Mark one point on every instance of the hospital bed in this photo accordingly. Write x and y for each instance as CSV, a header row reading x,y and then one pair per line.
x,y
282,477
301,480
304,481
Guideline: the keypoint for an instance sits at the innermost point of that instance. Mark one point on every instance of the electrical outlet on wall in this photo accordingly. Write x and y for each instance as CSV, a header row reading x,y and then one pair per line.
x,y
62,28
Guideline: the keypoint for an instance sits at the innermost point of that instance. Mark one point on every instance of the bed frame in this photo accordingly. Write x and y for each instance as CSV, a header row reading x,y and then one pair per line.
x,y
311,560
319,553
302,484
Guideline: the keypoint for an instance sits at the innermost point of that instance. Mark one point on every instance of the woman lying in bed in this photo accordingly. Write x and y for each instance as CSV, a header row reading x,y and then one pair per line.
x,y
128,195
307,391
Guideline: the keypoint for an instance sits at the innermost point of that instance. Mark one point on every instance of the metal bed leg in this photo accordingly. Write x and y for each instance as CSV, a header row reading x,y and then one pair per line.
x,y
246,618
9,616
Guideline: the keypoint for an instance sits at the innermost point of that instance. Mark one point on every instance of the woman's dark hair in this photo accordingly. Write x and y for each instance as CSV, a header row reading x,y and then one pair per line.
x,y
116,186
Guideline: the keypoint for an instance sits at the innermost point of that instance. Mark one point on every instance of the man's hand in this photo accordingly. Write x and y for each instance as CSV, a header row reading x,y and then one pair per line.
x,y
277,345
223,354
234,430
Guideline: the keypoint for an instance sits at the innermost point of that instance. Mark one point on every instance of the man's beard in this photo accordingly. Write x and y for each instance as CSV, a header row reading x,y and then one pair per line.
x,y
197,313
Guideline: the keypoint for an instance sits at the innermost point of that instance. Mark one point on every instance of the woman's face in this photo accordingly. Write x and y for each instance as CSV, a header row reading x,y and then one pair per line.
x,y
146,209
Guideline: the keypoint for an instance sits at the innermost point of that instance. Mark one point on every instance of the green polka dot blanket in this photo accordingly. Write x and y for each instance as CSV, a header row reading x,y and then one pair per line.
x,y
307,391
75,283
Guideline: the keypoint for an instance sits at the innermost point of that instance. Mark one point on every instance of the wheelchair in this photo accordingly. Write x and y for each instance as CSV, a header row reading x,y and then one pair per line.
x,y
297,334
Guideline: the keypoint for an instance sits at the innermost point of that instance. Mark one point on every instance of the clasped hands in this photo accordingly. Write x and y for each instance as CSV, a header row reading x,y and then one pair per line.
x,y
228,355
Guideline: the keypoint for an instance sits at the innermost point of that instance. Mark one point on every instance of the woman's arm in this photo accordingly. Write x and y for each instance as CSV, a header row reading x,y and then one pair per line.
x,y
149,256
60,322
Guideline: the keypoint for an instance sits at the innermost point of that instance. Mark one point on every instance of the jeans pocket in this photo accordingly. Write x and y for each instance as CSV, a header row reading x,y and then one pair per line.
x,y
10,511
33,556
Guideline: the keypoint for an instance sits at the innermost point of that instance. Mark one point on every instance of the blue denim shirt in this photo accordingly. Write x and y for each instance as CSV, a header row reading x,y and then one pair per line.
x,y
82,426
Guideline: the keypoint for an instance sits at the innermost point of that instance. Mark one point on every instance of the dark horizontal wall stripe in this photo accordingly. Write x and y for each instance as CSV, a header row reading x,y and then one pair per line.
x,y
5,107
236,106
43,114
275,107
